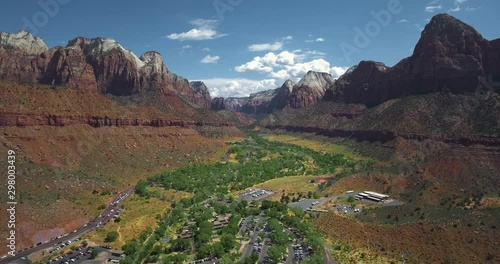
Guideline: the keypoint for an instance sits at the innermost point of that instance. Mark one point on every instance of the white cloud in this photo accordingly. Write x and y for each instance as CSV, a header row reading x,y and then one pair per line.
x,y
419,27
456,9
266,63
314,40
286,58
337,71
433,8
205,29
281,75
210,59
206,49
266,46
187,47
300,69
288,38
469,9
315,54
258,64
239,87
460,1
403,21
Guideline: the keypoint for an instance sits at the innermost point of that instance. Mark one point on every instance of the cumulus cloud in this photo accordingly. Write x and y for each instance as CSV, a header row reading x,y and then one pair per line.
x,y
205,29
258,64
266,46
266,63
299,69
280,75
337,71
210,59
239,87
287,65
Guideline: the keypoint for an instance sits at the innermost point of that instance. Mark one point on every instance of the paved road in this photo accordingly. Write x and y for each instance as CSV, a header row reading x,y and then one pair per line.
x,y
249,247
291,255
102,219
265,247
327,257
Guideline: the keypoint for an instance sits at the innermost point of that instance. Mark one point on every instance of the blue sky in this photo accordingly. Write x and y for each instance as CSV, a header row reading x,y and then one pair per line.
x,y
242,46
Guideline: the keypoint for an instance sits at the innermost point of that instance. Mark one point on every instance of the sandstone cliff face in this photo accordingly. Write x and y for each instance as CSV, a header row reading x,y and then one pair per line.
x,y
200,94
99,65
310,89
217,104
69,67
282,98
235,103
450,57
259,103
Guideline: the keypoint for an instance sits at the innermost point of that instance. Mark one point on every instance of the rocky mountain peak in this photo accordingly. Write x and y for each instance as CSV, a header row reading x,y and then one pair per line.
x,y
25,41
78,43
446,34
97,47
450,56
316,79
199,86
153,60
288,85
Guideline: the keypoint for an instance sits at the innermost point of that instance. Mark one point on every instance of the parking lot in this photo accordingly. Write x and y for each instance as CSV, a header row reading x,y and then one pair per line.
x,y
256,194
305,204
347,209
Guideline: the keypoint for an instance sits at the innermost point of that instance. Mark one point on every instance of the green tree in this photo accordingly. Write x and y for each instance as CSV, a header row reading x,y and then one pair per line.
x,y
141,188
275,253
228,242
217,250
111,236
203,251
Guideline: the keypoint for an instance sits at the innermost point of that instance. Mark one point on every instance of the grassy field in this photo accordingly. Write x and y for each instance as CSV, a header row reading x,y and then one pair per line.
x,y
289,185
316,145
139,214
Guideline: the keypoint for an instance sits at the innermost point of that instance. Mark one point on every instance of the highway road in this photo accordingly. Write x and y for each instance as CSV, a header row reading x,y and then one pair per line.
x,y
102,219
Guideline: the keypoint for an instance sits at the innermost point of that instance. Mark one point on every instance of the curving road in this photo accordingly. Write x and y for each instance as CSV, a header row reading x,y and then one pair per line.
x,y
101,220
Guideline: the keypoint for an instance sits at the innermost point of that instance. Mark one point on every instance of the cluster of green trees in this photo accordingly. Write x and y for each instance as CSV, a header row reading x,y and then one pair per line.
x,y
222,178
209,182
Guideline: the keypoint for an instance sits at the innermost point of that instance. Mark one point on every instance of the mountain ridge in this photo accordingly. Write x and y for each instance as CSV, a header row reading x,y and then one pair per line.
x,y
92,64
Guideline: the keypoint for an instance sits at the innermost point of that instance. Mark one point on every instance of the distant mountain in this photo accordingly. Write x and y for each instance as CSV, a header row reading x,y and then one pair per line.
x,y
98,65
263,102
310,89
